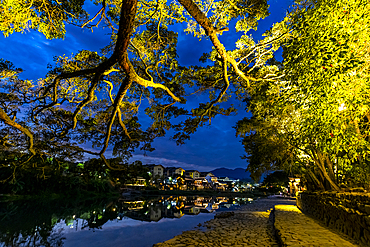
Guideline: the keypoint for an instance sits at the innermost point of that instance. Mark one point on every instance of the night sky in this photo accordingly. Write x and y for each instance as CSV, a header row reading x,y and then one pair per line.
x,y
209,148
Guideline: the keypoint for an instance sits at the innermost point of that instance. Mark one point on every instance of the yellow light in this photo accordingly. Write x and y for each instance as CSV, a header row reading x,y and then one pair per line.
x,y
342,107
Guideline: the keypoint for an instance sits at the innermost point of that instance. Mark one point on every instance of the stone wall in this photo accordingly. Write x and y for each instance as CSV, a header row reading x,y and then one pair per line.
x,y
347,212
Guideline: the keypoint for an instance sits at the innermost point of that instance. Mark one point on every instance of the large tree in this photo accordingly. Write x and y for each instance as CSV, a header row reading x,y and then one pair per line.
x,y
94,98
321,106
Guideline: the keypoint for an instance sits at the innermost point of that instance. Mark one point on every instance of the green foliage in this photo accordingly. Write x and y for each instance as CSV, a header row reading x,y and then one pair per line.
x,y
42,175
329,86
316,118
89,101
47,17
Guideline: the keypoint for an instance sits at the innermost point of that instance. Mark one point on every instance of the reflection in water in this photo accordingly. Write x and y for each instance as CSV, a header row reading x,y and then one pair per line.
x,y
102,223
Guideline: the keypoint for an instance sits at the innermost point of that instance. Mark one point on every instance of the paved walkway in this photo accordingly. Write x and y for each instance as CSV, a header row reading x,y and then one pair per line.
x,y
252,226
296,229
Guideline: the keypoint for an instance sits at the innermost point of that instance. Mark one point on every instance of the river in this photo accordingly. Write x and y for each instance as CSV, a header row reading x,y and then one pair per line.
x,y
131,222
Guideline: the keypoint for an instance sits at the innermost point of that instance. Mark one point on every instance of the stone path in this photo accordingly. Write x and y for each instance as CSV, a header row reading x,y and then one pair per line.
x,y
252,225
248,226
296,229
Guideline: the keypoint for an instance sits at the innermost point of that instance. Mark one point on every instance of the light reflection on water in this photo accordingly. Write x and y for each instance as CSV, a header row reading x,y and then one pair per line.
x,y
129,232
124,222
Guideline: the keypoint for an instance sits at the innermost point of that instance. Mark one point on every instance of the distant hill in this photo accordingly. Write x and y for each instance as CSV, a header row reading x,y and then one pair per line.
x,y
237,173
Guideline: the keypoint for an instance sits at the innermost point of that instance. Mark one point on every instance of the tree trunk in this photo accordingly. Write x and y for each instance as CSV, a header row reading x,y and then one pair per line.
x,y
320,162
315,180
330,167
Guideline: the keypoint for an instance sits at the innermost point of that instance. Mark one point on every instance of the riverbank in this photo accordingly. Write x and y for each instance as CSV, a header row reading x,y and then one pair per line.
x,y
253,225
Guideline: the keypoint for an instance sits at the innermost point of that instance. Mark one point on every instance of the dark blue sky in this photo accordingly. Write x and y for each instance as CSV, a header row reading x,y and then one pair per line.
x,y
209,148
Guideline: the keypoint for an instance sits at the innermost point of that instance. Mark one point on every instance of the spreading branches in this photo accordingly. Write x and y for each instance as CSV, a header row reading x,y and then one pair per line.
x,y
221,94
118,110
101,12
121,93
7,120
98,74
146,83
212,32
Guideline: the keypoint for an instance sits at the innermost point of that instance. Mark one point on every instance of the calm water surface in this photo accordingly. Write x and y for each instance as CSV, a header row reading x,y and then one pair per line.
x,y
132,222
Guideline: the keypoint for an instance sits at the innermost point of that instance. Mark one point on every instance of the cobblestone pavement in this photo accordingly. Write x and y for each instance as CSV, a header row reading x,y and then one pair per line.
x,y
247,226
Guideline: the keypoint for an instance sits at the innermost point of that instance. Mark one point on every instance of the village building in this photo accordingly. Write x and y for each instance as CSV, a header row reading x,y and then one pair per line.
x,y
156,170
173,172
192,173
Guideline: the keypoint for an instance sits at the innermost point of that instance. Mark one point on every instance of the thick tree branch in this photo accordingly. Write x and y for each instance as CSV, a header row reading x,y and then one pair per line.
x,y
121,93
7,120
202,20
88,99
118,109
146,83
320,162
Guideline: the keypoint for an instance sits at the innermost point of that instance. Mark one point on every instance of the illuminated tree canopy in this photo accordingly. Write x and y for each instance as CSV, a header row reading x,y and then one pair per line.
x,y
310,113
319,112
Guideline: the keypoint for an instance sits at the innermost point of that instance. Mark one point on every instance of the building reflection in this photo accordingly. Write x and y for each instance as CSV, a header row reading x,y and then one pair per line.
x,y
167,207
177,206
155,209
26,224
